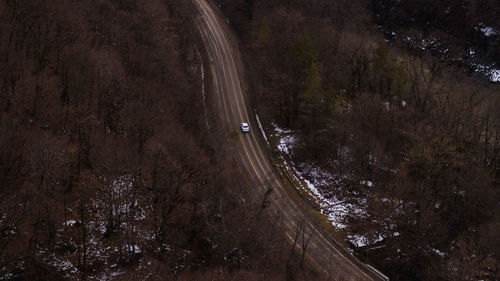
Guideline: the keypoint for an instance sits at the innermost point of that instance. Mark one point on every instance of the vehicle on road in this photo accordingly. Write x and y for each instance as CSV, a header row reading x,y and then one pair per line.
x,y
244,127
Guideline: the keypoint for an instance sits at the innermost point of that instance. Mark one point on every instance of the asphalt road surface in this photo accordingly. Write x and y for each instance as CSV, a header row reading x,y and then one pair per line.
x,y
322,252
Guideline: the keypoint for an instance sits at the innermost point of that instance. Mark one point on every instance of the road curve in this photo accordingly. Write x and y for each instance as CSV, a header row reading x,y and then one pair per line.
x,y
324,254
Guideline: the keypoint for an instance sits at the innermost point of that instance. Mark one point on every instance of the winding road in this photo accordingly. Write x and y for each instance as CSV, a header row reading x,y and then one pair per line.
x,y
322,252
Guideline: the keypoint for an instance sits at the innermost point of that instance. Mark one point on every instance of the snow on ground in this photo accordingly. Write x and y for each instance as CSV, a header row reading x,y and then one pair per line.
x,y
486,30
61,263
279,131
286,144
472,52
367,183
7,275
70,223
132,248
438,252
362,241
359,240
490,71
117,198
286,140
324,187
495,75
423,44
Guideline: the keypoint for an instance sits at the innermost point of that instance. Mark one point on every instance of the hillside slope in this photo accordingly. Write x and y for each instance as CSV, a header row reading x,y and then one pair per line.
x,y
113,163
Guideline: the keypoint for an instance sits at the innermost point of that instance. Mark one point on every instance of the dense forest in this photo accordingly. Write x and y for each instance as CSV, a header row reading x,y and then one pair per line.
x,y
113,165
421,128
466,28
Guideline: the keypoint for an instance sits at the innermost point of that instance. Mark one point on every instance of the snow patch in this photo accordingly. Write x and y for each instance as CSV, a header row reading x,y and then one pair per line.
x,y
7,276
70,223
367,183
495,75
423,44
362,241
116,273
488,31
278,130
472,52
335,207
286,144
438,252
359,240
287,139
132,248
489,70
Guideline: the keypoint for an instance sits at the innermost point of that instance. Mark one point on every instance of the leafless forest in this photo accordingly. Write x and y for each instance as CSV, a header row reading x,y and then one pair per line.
x,y
107,167
411,118
109,170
